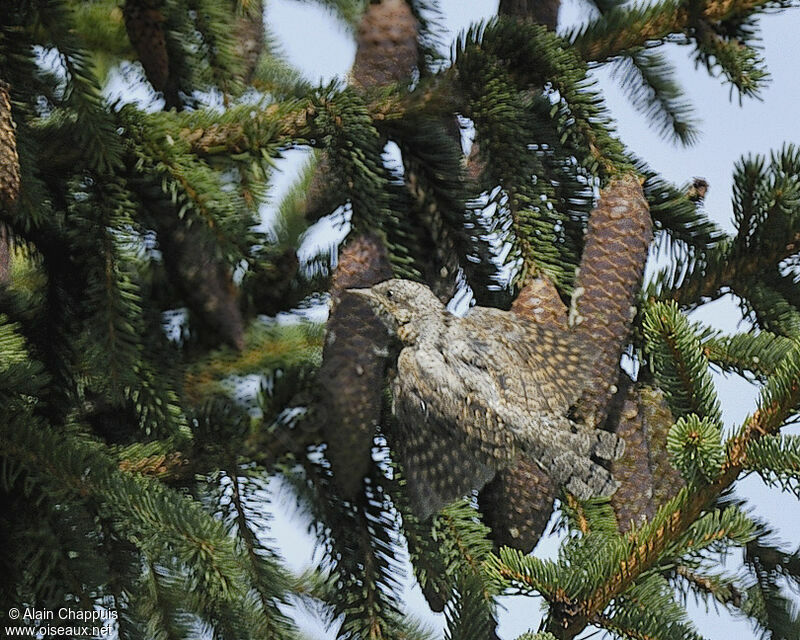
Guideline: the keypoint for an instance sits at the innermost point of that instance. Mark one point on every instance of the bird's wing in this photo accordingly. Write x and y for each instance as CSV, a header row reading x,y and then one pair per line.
x,y
443,459
529,376
533,366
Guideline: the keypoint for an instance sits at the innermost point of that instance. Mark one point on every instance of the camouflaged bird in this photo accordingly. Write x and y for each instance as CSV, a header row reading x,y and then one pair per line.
x,y
473,393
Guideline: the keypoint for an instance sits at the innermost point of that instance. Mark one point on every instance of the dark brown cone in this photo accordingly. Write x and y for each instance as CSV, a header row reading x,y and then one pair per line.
x,y
206,284
249,37
5,256
435,240
352,375
698,190
270,290
632,502
518,502
318,200
386,52
9,159
9,177
540,11
658,419
617,241
517,505
647,479
144,23
386,44
354,359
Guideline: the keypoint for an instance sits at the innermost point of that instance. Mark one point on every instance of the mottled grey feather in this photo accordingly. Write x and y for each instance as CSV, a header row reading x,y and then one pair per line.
x,y
473,393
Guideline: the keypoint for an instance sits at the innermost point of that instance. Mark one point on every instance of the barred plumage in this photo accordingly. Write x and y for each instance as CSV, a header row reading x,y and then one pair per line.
x,y
473,393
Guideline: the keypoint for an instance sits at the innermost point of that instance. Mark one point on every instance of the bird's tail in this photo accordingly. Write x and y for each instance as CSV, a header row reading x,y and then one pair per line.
x,y
572,460
582,477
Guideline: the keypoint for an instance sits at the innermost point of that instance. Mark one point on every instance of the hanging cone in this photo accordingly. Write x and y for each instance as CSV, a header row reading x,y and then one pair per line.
x,y
539,11
518,502
617,241
249,37
9,159
386,44
647,479
144,23
517,505
352,375
5,256
9,177
206,284
354,360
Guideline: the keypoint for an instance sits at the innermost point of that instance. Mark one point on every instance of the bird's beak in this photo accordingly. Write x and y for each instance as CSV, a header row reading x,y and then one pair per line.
x,y
367,295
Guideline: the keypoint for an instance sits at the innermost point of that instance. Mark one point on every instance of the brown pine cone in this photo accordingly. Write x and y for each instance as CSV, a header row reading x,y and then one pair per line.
x,y
354,359
387,44
9,159
517,505
603,305
249,37
617,241
646,476
5,256
9,176
144,22
205,282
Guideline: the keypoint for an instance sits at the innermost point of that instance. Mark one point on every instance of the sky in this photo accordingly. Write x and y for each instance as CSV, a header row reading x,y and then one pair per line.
x,y
322,49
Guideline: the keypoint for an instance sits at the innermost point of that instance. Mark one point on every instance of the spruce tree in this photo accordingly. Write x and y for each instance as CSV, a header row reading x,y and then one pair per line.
x,y
138,299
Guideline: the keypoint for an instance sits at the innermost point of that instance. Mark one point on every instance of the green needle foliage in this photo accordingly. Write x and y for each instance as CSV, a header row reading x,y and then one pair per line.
x,y
160,345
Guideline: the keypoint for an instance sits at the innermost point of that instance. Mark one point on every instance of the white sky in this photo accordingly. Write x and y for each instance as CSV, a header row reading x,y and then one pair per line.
x,y
322,49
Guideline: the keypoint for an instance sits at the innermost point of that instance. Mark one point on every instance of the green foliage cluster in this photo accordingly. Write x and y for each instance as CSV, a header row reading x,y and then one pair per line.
x,y
136,459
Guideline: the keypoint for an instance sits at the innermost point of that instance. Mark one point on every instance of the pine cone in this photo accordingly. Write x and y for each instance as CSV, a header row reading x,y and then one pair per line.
x,y
9,159
539,11
249,37
206,283
647,479
698,190
269,288
517,505
5,256
617,242
387,44
658,419
354,359
9,176
144,23
352,375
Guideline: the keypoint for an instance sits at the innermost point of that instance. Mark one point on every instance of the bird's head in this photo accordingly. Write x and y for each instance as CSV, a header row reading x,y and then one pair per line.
x,y
402,305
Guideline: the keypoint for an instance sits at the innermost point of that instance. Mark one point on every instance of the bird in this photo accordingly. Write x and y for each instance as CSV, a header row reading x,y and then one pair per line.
x,y
470,394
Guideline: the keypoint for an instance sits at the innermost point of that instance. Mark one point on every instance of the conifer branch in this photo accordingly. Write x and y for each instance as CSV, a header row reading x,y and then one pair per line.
x,y
603,39
754,354
679,363
647,544
724,591
135,241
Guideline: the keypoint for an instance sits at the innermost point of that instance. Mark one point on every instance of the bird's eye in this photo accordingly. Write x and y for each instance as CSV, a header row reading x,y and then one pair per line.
x,y
389,293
